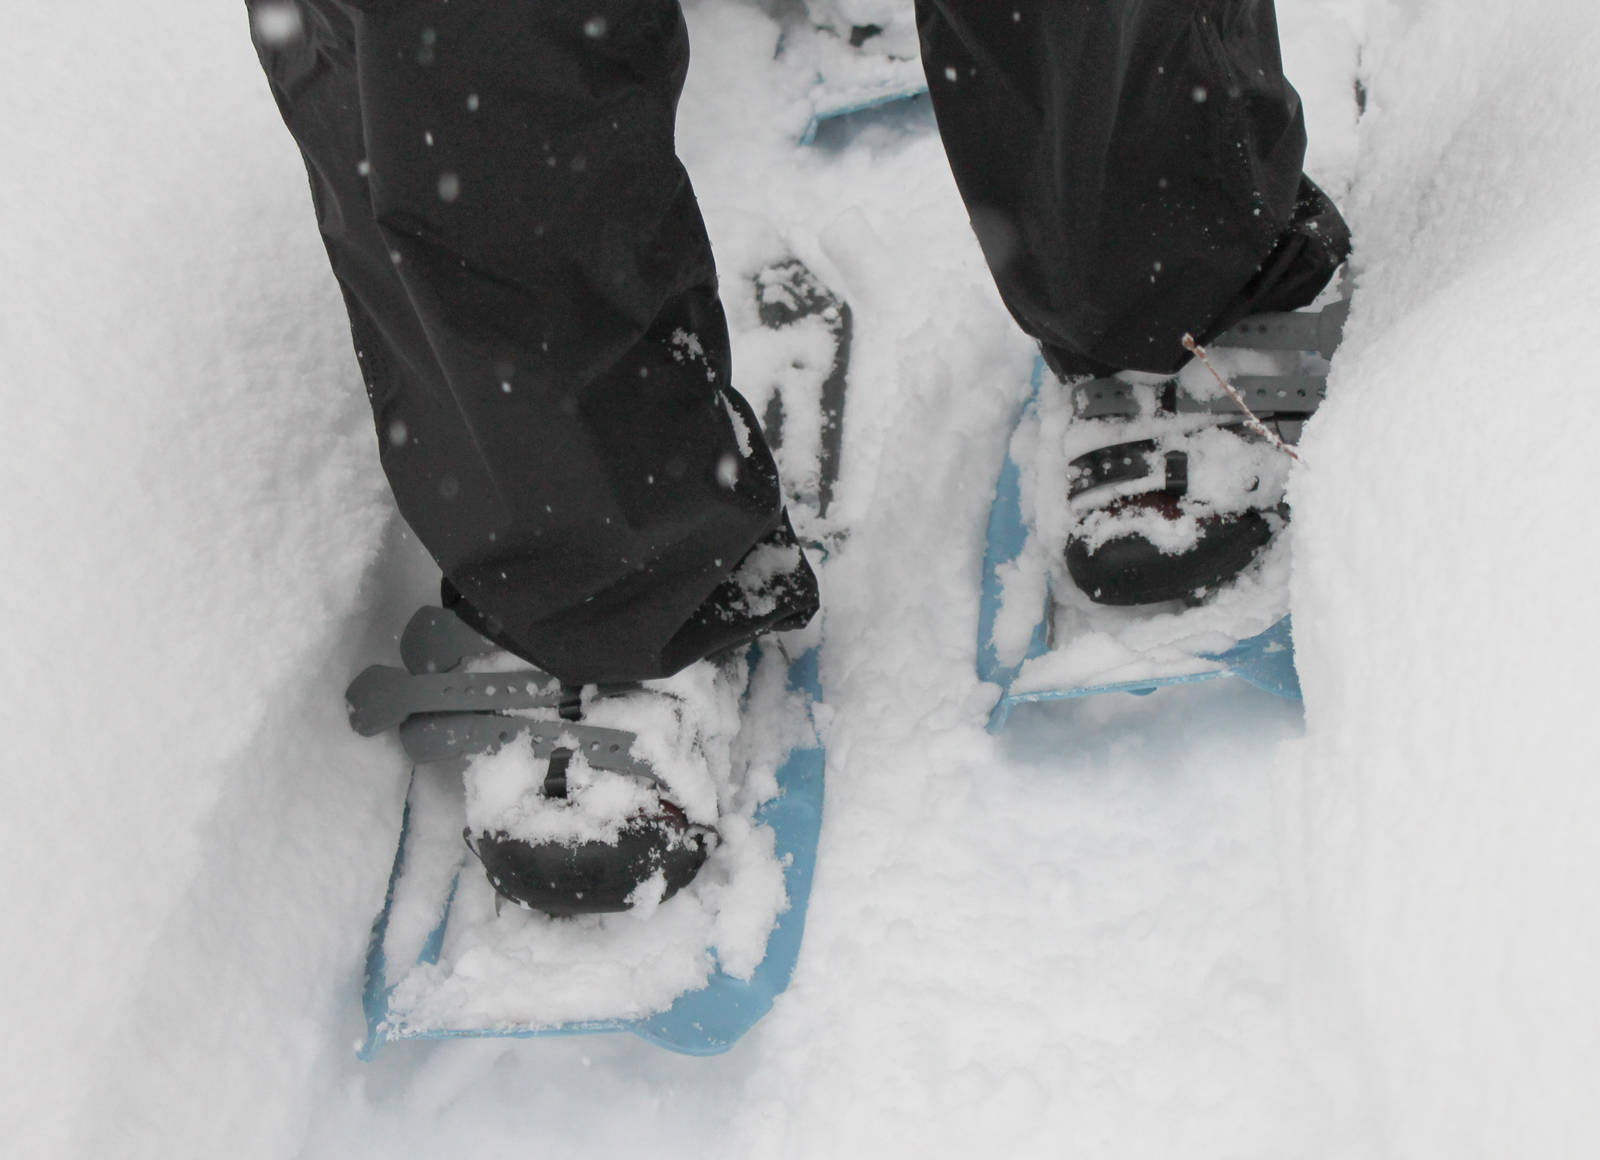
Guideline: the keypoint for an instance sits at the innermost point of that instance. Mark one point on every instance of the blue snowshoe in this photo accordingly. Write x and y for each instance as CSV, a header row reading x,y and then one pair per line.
x,y
631,858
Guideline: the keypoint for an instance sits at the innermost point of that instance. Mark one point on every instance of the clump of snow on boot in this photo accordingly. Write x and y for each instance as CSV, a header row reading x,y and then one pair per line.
x,y
504,793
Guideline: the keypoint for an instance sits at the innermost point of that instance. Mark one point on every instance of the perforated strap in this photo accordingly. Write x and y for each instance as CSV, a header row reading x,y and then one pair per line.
x,y
1316,331
1269,396
435,737
1135,462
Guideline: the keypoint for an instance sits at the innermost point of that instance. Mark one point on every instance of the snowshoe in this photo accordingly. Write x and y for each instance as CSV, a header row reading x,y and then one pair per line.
x,y
589,828
1132,542
618,858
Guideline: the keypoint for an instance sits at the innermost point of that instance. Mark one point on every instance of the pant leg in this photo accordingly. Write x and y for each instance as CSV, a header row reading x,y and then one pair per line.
x,y
534,306
1132,169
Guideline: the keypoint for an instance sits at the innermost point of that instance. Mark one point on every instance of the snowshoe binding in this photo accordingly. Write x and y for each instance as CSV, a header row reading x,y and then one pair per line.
x,y
1159,561
1173,516
590,810
566,815
590,831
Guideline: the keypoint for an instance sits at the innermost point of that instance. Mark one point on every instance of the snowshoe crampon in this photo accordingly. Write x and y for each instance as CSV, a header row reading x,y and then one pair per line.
x,y
447,958
1063,614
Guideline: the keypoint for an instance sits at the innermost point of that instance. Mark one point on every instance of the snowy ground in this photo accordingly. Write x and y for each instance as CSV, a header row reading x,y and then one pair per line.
x,y
1191,925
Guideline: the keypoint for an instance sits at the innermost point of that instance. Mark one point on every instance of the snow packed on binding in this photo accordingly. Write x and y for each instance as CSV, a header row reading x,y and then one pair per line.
x,y
698,932
447,960
1040,636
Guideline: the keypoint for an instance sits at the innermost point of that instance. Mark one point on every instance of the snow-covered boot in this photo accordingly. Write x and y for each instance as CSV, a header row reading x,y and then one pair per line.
x,y
574,830
1181,495
579,800
1171,542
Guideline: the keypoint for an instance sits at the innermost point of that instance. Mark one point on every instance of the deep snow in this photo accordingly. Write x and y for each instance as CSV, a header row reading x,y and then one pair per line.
x,y
1187,925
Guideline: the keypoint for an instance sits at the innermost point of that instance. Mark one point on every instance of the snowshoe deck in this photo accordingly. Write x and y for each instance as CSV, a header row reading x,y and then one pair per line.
x,y
432,863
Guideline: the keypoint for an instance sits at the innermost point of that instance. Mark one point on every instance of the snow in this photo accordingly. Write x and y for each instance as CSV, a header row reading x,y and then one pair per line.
x,y
191,502
502,797
1445,845
520,968
1192,924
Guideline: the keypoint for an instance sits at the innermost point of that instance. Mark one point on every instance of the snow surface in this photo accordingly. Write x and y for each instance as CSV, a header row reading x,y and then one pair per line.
x,y
1187,925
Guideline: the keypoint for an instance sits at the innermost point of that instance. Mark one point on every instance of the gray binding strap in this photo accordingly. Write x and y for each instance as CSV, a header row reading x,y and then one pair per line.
x,y
445,715
381,697
1137,462
1104,466
1269,396
1318,331
436,737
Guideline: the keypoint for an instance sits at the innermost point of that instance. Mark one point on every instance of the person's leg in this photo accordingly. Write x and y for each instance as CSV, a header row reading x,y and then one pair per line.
x,y
534,307
1132,169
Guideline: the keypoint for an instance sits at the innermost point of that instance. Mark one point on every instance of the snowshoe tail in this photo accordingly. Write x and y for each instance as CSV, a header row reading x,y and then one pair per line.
x,y
802,411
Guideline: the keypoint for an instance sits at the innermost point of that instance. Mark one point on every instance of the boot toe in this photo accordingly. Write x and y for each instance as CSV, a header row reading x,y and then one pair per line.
x,y
1130,570
593,877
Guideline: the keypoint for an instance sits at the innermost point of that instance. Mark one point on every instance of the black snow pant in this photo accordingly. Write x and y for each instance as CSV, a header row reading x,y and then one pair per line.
x,y
1132,169
534,302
